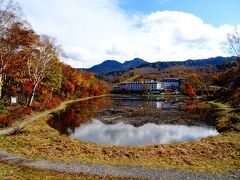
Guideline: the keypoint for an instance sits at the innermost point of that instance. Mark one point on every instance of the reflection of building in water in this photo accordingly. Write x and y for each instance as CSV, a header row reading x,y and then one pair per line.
x,y
139,103
136,103
166,105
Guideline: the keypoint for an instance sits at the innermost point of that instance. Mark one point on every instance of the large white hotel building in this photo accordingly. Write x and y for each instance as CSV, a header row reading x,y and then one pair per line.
x,y
150,86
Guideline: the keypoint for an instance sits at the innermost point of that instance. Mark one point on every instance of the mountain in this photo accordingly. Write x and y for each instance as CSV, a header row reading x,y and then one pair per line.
x,y
105,67
192,63
111,66
133,63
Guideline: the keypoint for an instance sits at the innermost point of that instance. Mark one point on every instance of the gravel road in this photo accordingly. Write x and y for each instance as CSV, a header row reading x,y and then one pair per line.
x,y
103,170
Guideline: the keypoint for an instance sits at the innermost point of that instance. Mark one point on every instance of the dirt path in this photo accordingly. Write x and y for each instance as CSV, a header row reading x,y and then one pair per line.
x,y
23,124
103,170
40,115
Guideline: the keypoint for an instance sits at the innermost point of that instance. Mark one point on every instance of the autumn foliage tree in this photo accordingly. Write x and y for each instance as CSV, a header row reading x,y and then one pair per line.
x,y
234,73
81,84
31,69
9,16
41,61
190,91
234,42
68,87
30,66
13,44
229,79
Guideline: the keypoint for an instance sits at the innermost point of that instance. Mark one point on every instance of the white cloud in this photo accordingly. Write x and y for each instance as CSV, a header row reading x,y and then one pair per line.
x,y
94,30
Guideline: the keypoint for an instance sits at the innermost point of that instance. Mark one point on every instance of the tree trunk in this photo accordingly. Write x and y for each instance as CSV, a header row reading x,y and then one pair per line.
x,y
238,61
1,84
32,95
51,95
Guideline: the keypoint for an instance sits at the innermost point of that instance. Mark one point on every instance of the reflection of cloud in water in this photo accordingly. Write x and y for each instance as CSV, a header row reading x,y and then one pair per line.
x,y
125,134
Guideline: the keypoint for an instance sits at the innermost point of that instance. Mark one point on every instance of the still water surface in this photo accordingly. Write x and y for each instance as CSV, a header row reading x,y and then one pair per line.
x,y
135,120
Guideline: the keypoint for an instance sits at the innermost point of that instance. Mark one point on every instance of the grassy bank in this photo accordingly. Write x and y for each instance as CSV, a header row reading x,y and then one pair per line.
x,y
218,154
227,118
221,106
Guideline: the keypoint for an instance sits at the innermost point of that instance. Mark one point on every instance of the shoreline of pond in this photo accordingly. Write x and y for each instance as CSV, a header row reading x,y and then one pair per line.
x,y
24,121
218,108
218,154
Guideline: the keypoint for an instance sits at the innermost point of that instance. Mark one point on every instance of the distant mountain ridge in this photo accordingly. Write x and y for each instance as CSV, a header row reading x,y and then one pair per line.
x,y
110,66
192,63
113,65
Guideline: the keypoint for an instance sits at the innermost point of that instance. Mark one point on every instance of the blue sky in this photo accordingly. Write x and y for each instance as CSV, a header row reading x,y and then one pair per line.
x,y
91,31
215,12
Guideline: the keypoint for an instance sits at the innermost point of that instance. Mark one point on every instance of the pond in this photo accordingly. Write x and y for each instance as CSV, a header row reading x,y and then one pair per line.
x,y
136,120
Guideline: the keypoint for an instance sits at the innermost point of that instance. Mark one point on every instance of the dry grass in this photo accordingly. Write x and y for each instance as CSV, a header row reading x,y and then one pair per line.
x,y
218,154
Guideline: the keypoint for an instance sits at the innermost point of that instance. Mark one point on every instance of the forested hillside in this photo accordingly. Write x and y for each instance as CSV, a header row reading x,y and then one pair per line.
x,y
31,69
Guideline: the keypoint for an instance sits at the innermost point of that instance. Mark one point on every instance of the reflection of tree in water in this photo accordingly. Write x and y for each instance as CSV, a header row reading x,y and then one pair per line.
x,y
75,115
112,110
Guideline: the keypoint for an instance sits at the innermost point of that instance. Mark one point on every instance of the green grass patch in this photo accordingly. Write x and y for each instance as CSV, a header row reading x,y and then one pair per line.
x,y
220,106
2,107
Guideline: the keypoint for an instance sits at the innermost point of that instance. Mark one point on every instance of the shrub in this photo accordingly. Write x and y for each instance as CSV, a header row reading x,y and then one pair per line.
x,y
2,107
16,113
38,106
5,121
235,119
224,123
27,110
49,106
56,101
19,112
62,96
